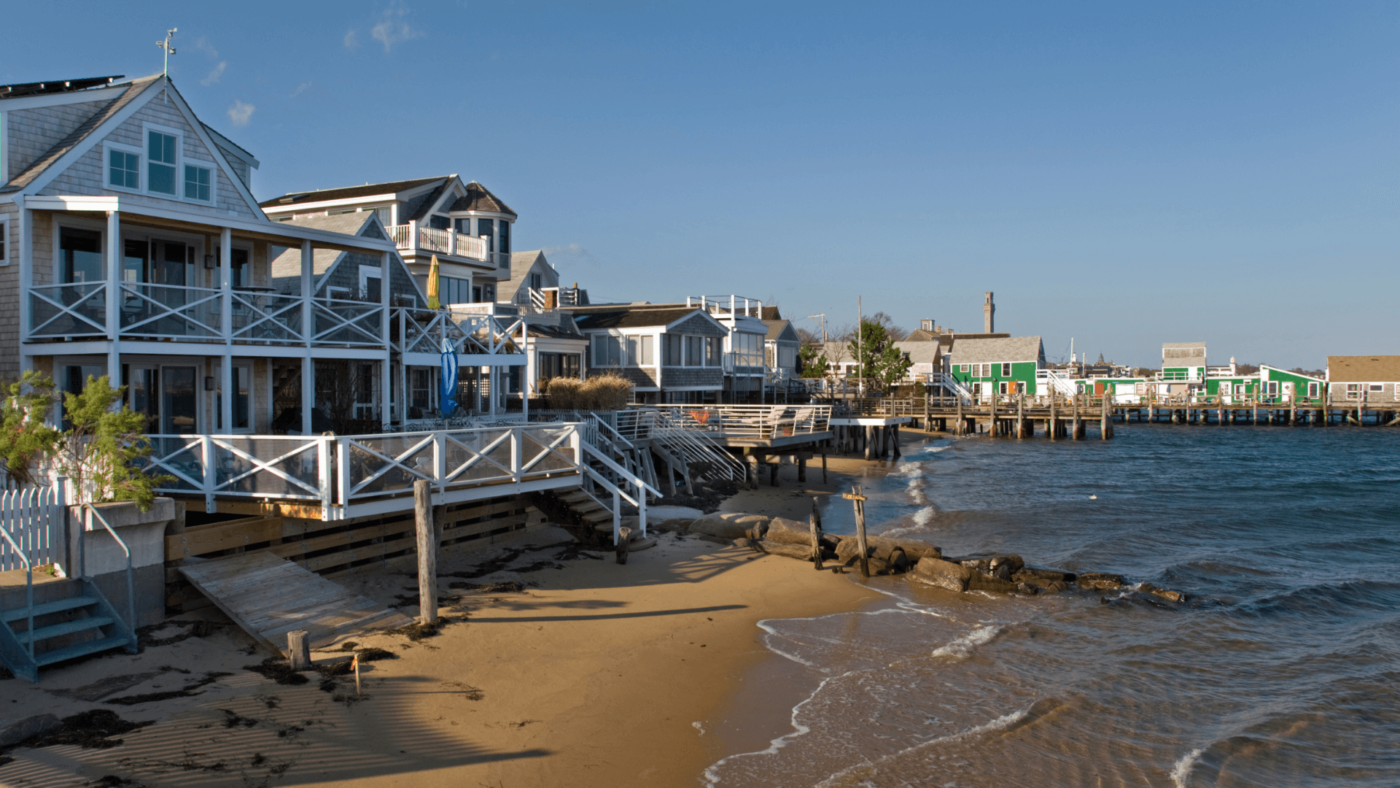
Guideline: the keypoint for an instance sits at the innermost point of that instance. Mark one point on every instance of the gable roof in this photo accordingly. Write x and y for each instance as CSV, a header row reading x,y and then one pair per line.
x,y
351,192
288,264
627,317
776,327
920,351
981,351
520,265
479,198
1363,369
80,134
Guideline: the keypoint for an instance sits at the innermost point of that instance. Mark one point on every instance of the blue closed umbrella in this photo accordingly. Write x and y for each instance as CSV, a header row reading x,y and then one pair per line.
x,y
447,381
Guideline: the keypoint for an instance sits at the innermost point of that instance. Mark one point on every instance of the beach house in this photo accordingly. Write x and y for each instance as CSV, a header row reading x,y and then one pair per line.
x,y
557,349
1004,366
466,227
1290,386
1364,378
672,354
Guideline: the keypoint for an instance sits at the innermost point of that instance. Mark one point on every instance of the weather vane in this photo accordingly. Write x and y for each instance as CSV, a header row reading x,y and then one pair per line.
x,y
169,50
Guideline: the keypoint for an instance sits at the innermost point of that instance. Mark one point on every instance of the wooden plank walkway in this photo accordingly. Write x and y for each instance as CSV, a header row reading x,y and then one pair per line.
x,y
270,596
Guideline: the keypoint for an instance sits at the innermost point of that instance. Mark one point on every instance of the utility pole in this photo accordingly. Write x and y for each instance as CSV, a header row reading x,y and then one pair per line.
x,y
860,340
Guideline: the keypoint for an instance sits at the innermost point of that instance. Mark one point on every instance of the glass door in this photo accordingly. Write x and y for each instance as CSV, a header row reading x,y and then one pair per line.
x,y
172,269
179,401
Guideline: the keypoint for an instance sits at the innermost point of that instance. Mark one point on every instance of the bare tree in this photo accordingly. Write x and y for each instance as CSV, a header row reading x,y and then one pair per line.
x,y
892,331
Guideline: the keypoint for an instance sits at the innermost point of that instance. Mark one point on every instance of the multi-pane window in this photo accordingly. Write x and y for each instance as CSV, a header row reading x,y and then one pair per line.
x,y
4,245
420,395
197,183
439,222
607,351
160,162
639,352
671,356
486,227
694,351
559,365
505,237
80,252
1006,370
1313,388
123,169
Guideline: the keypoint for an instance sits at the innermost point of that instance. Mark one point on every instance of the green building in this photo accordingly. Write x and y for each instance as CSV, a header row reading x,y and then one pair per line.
x,y
1284,386
1004,365
1183,362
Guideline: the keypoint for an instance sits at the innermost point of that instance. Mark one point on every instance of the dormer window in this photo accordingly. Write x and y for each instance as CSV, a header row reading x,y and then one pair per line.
x,y
160,162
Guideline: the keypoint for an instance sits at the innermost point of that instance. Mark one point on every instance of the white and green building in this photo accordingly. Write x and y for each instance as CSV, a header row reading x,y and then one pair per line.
x,y
1000,366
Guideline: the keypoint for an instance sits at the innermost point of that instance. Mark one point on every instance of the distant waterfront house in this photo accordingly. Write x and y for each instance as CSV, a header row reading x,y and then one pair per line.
x,y
925,357
997,366
534,282
1184,362
671,354
464,225
1289,386
780,349
1372,378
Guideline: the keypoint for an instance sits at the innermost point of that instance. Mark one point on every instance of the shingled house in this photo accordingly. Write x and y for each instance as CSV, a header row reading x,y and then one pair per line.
x,y
671,354
1372,378
464,225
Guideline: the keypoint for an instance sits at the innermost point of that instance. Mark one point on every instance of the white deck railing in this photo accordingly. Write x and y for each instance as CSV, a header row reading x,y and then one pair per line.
x,y
765,422
415,237
471,333
727,305
356,475
68,310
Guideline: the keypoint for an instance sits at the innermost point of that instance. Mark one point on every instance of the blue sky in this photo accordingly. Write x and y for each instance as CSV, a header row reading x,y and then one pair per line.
x,y
1124,174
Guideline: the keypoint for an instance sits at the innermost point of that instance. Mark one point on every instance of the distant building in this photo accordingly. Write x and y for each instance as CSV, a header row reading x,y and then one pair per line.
x,y
997,366
1376,378
1184,362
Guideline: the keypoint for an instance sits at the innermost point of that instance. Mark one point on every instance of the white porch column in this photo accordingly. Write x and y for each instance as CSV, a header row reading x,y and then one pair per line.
x,y
226,370
308,367
114,243
495,387
26,279
525,372
386,371
402,400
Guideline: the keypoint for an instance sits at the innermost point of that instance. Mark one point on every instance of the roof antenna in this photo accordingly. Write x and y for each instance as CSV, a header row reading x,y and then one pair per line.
x,y
169,50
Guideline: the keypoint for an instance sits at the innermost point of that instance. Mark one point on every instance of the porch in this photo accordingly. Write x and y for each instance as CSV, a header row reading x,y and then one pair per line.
x,y
754,426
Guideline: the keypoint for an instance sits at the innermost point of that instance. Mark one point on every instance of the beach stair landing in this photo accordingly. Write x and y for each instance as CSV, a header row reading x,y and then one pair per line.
x,y
269,596
74,620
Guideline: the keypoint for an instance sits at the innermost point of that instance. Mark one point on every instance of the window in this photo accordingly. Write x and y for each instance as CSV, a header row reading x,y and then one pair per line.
x,y
962,368
420,395
123,169
160,162
4,240
559,365
1002,388
505,237
80,254
694,352
488,293
712,351
240,273
486,228
1313,389
536,281
1273,388
370,277
639,351
1006,370
1353,391
607,351
197,183
1376,387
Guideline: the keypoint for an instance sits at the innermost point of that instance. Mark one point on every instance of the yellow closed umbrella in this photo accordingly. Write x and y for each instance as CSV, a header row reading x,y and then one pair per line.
x,y
433,286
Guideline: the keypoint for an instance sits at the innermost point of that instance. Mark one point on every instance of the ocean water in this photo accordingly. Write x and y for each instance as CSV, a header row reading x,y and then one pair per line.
x,y
1281,669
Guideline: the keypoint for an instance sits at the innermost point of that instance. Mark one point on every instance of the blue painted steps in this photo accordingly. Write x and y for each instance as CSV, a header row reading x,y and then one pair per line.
x,y
85,612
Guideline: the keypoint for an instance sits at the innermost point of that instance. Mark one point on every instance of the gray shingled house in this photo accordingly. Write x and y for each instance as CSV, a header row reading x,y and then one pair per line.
x,y
671,354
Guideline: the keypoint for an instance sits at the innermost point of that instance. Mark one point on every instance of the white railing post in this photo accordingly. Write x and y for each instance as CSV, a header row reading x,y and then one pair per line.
x,y
617,516
211,471
440,459
323,474
642,506
342,469
517,438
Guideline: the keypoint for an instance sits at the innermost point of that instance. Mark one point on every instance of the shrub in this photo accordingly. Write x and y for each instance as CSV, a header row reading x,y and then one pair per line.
x,y
563,393
601,392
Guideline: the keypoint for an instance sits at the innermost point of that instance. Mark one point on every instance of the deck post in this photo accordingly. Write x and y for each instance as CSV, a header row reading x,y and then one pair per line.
x,y
1105,420
801,469
226,328
1021,417
814,522
1074,429
427,551
992,422
1052,432
860,533
959,430
894,441
298,650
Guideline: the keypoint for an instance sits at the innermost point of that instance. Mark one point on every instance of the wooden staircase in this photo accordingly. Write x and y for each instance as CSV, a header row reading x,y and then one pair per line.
x,y
78,623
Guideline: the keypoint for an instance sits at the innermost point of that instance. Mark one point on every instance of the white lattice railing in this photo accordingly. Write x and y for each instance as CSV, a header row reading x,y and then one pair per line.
x,y
751,421
169,311
344,472
68,310
267,317
340,322
469,332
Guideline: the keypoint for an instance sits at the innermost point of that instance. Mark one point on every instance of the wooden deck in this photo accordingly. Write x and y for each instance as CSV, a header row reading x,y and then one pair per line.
x,y
269,596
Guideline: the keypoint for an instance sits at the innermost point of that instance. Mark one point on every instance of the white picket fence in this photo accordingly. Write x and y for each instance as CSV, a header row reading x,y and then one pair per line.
x,y
33,519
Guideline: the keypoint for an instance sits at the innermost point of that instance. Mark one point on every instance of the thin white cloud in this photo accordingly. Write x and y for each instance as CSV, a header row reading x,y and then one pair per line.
x,y
302,88
393,29
574,250
352,39
203,45
240,113
215,75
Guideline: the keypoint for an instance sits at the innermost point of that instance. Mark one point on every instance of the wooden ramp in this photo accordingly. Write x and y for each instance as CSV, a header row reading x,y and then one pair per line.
x,y
270,596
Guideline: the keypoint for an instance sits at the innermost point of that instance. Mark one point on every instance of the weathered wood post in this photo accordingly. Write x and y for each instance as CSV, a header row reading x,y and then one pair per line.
x,y
894,441
1106,419
869,451
1254,419
858,500
823,467
959,430
1074,434
814,522
298,650
1053,423
624,538
427,551
801,469
1021,417
992,426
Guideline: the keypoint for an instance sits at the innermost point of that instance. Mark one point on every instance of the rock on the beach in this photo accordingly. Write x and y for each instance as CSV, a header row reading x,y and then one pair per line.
x,y
745,543
732,525
880,547
667,526
1030,574
1099,581
981,581
781,529
661,513
899,561
17,732
800,552
944,574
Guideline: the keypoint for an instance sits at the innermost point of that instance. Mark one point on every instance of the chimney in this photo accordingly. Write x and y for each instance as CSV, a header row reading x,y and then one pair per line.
x,y
989,311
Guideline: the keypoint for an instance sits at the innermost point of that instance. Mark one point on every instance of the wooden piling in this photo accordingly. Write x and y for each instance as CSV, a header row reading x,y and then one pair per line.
x,y
427,551
961,424
1053,431
624,538
814,522
992,424
823,467
858,499
802,469
298,650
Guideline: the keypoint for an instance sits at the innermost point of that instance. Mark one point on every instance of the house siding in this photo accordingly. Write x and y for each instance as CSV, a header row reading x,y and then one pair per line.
x,y
9,281
693,377
32,132
698,326
1021,372
86,175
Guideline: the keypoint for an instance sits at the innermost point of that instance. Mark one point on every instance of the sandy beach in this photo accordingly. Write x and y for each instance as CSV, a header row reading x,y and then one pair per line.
x,y
588,673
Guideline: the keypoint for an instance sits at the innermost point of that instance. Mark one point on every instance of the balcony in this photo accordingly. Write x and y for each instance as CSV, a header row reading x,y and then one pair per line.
x,y
416,239
727,306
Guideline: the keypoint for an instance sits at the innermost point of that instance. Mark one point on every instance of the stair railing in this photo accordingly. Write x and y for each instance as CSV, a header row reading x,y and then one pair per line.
x,y
628,479
91,510
28,583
